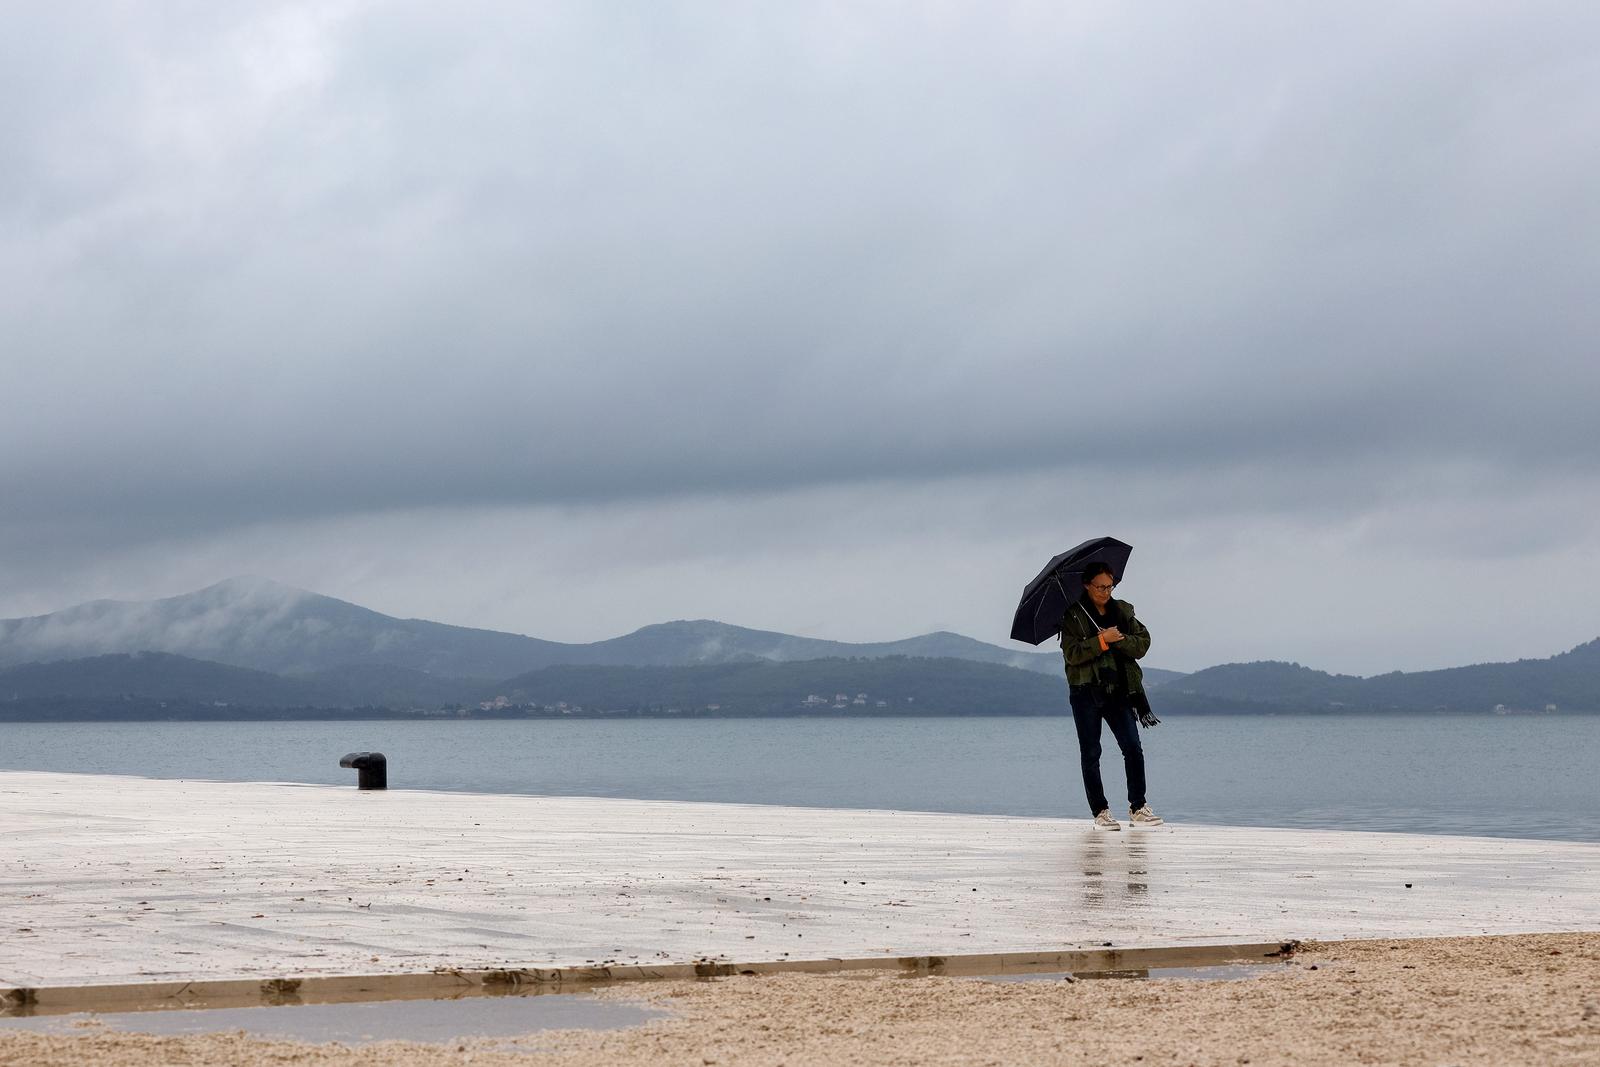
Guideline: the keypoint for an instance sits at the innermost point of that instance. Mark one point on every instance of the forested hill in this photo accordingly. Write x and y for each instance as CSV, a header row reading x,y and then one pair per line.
x,y
157,685
889,685
1569,681
181,679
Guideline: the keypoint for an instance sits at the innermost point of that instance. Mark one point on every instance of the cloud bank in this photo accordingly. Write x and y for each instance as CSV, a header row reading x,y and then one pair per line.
x,y
831,302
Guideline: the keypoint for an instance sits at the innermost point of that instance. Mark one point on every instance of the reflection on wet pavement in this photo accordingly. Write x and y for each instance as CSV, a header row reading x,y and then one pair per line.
x,y
1115,871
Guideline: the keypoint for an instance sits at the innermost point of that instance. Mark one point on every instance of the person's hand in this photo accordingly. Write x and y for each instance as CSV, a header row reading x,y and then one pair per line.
x,y
1111,634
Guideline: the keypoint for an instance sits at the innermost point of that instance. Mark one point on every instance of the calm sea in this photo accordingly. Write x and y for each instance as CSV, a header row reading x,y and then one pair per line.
x,y
1512,777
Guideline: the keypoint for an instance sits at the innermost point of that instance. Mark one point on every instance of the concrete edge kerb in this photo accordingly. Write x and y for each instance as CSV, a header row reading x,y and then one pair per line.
x,y
450,982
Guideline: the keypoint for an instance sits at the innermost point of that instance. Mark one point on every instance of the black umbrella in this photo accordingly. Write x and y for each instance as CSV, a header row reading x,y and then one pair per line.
x,y
1047,597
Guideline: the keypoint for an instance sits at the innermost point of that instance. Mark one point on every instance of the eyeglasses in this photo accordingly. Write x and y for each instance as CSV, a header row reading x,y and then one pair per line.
x,y
1103,587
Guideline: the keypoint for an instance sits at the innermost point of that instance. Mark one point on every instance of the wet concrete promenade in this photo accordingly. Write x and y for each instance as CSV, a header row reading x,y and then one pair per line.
x,y
117,880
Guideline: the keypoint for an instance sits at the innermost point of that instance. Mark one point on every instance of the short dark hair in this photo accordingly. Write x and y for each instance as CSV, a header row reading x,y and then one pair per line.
x,y
1095,570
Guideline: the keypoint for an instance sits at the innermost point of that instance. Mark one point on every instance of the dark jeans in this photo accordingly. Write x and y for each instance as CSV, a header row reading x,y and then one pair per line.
x,y
1087,714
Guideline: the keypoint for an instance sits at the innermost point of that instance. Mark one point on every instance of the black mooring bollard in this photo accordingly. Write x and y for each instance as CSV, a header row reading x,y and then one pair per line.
x,y
372,769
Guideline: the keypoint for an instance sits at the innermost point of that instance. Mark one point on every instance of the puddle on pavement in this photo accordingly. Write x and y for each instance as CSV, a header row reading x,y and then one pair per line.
x,y
428,1021
1222,972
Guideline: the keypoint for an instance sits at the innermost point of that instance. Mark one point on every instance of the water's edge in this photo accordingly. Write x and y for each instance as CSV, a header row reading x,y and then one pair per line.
x,y
1462,775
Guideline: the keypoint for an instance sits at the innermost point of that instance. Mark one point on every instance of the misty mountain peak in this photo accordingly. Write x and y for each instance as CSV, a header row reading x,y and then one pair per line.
x,y
246,587
246,583
699,629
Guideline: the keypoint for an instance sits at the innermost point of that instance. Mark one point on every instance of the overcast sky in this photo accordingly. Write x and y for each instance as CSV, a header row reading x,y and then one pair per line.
x,y
837,319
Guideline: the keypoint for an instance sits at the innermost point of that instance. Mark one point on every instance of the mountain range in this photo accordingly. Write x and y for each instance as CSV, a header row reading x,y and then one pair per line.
x,y
267,626
255,647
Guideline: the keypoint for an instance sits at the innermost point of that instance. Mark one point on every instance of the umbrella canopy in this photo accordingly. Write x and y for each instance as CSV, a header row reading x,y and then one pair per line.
x,y
1046,599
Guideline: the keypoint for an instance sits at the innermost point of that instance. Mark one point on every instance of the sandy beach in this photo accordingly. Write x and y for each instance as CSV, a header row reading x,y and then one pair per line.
x,y
1523,999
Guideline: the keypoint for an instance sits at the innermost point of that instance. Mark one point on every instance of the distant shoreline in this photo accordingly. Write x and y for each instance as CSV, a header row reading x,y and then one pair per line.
x,y
229,715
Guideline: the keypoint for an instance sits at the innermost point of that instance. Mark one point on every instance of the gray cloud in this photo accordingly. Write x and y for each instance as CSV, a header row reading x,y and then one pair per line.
x,y
290,266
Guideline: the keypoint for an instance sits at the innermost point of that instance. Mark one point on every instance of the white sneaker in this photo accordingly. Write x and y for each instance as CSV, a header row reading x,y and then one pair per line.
x,y
1143,817
1104,821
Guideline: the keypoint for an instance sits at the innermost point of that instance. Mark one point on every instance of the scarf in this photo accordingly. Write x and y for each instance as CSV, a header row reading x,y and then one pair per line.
x,y
1110,678
1112,617
1114,681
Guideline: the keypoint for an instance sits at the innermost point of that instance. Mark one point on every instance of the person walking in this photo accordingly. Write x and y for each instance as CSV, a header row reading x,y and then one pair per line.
x,y
1102,643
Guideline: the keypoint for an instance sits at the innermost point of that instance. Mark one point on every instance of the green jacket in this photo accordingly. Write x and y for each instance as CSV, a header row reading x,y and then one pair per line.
x,y
1080,647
